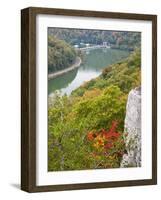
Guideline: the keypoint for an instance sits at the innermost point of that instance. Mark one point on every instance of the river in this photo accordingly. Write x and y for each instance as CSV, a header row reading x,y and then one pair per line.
x,y
93,63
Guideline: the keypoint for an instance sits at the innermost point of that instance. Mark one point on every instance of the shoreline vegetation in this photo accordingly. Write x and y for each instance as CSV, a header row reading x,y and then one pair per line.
x,y
61,55
75,65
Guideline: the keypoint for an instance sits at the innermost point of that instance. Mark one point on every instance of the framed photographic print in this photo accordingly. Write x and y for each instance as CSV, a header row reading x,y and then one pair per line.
x,y
89,99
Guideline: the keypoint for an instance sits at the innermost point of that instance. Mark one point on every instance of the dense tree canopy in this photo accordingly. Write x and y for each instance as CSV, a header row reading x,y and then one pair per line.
x,y
86,128
116,39
60,54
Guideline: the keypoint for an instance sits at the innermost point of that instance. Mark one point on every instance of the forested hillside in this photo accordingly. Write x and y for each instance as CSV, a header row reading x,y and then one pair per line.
x,y
125,74
86,128
116,39
60,54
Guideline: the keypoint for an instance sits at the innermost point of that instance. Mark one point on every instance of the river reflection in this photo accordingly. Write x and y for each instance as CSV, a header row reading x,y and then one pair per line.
x,y
93,64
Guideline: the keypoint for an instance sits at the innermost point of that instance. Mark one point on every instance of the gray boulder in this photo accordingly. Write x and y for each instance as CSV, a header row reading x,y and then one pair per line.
x,y
132,130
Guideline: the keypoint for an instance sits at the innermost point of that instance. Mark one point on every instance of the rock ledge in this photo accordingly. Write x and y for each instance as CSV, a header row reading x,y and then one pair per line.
x,y
132,130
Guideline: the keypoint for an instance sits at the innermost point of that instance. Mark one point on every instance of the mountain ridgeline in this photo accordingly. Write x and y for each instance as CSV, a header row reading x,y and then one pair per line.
x,y
116,39
60,54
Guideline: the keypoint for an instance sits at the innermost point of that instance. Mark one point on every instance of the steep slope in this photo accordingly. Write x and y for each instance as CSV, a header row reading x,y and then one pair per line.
x,y
60,54
86,129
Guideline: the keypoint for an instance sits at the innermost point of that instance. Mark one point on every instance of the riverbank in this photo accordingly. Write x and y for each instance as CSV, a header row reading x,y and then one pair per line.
x,y
72,67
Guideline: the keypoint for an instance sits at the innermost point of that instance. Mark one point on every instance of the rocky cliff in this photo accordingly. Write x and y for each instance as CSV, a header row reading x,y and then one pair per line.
x,y
132,132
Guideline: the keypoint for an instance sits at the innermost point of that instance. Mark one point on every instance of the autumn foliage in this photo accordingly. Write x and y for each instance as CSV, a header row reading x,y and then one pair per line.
x,y
85,129
108,144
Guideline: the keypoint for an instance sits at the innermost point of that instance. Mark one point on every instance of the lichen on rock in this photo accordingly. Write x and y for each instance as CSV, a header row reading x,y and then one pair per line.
x,y
132,130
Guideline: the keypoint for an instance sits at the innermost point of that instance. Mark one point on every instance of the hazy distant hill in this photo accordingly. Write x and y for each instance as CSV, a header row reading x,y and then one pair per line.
x,y
116,39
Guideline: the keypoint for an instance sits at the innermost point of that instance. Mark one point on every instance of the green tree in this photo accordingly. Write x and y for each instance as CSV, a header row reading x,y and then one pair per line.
x,y
60,54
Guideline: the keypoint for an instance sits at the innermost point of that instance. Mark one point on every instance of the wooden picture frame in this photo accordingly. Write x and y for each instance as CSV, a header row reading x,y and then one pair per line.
x,y
28,98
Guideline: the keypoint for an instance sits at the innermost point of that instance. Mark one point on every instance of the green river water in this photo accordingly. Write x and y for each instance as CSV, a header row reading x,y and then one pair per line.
x,y
93,63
